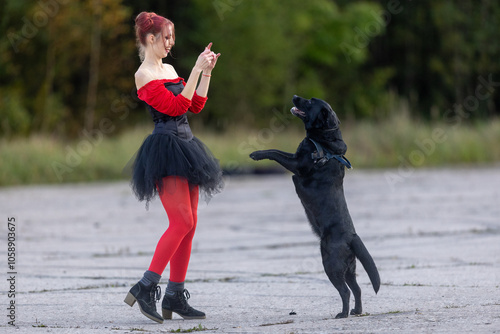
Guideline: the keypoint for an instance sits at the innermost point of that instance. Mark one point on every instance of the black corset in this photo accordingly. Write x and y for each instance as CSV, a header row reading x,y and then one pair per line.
x,y
177,126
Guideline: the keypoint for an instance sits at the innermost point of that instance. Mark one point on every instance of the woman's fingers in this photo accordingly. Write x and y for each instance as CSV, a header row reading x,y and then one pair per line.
x,y
215,60
208,57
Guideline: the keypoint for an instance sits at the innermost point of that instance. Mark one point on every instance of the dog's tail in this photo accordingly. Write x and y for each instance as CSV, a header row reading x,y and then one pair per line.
x,y
366,260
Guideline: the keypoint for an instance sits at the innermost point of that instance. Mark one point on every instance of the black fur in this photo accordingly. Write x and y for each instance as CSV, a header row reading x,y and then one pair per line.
x,y
320,189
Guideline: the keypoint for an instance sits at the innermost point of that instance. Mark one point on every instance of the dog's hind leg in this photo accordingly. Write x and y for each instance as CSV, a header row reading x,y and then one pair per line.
x,y
350,278
335,269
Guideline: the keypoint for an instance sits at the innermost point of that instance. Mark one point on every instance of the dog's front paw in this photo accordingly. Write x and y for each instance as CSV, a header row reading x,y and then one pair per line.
x,y
257,155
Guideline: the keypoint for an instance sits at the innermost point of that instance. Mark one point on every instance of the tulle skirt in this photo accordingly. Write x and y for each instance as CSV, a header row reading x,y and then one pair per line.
x,y
162,155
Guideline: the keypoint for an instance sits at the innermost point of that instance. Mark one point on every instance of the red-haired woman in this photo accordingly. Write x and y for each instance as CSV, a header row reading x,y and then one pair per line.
x,y
171,163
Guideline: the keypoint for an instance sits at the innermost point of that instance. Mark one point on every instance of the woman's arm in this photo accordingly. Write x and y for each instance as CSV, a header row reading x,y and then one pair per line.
x,y
202,90
202,63
153,92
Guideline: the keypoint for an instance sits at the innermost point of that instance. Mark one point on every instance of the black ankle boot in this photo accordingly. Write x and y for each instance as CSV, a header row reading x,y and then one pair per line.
x,y
177,303
146,296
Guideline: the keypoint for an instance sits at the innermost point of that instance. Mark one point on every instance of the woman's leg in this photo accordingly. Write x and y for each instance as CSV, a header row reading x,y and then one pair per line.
x,y
176,199
180,260
175,299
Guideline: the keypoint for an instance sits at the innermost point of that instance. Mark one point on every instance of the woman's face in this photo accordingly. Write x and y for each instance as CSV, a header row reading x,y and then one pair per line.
x,y
164,42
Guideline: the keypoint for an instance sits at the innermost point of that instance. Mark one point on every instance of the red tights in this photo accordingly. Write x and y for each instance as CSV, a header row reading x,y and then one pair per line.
x,y
180,201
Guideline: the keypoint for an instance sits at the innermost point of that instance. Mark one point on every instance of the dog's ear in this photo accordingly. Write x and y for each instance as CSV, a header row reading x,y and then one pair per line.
x,y
326,119
333,120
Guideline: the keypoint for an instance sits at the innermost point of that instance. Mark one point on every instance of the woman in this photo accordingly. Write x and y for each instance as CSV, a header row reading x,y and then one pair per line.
x,y
171,163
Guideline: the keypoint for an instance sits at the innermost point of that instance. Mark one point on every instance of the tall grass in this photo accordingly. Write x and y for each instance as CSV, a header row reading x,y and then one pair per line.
x,y
388,143
42,159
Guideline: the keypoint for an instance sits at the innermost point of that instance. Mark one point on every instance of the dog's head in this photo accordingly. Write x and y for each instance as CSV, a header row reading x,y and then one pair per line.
x,y
320,121
315,113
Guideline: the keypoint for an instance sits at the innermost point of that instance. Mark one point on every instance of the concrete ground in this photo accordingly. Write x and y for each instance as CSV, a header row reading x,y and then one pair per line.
x,y
255,266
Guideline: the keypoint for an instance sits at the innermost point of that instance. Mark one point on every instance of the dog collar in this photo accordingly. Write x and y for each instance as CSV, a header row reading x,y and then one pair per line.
x,y
321,158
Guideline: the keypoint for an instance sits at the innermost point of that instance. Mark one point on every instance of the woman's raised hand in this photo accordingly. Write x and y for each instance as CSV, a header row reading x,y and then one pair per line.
x,y
207,59
214,57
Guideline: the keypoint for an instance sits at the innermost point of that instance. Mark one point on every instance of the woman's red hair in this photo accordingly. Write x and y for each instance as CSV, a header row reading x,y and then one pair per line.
x,y
149,23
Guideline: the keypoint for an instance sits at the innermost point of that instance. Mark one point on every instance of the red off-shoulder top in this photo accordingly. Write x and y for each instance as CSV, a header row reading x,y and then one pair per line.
x,y
160,98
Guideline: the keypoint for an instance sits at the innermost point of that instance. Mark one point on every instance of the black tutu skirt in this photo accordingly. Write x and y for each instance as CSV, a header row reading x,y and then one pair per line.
x,y
162,155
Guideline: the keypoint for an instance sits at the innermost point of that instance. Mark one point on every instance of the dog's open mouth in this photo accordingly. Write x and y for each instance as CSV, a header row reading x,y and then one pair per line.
x,y
297,112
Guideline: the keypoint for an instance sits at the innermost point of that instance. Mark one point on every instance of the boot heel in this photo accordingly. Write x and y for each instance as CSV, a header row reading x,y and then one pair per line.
x,y
167,314
130,299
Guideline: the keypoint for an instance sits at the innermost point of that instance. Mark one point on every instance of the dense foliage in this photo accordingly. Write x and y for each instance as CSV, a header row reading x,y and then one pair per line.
x,y
66,66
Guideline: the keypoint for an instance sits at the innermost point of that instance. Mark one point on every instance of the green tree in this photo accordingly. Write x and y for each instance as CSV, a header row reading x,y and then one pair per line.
x,y
45,62
272,50
439,49
65,65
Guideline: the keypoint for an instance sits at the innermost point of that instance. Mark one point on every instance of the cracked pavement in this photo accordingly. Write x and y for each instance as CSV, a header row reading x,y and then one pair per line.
x,y
255,266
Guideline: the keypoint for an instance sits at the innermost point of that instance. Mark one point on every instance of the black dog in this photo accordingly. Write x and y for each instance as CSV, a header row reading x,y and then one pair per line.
x,y
318,167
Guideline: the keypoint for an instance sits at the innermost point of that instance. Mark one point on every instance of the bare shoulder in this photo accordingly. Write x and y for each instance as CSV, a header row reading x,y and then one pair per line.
x,y
142,77
170,71
145,75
